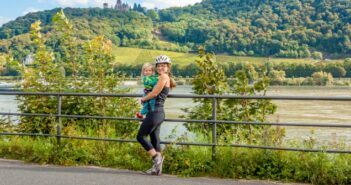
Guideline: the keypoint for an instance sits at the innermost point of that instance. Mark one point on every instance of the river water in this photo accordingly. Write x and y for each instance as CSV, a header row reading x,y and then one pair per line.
x,y
290,111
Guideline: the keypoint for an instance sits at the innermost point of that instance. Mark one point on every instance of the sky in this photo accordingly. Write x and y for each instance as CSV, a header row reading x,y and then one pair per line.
x,y
11,9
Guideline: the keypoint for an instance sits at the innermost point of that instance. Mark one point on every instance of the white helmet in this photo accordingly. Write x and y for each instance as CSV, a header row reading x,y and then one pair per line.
x,y
163,59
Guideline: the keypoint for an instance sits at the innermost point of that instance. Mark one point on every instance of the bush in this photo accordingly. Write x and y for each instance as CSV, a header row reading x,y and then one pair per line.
x,y
295,81
319,78
238,163
317,55
276,77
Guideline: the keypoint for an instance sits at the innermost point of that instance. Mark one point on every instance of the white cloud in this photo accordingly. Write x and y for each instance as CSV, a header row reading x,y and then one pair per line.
x,y
72,2
148,5
99,3
145,3
4,20
169,3
28,10
84,3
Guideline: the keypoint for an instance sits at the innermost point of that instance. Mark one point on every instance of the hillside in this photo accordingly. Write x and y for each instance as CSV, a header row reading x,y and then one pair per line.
x,y
123,28
286,28
274,28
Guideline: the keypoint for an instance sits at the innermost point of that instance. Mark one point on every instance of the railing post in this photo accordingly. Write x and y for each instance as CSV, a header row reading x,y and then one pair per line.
x,y
59,121
214,125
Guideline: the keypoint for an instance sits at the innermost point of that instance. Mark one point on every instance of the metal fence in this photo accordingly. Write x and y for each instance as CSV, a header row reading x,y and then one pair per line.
x,y
213,121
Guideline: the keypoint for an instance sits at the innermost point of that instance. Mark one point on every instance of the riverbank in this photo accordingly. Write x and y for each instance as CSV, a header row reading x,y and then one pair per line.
x,y
10,82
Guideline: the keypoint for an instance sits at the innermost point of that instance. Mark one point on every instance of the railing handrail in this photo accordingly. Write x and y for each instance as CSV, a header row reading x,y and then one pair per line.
x,y
213,121
320,98
182,120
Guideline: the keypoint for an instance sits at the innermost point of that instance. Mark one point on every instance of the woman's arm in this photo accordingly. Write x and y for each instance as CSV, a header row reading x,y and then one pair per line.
x,y
162,80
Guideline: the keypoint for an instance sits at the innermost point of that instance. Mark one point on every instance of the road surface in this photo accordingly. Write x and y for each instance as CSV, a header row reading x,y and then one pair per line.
x,y
19,173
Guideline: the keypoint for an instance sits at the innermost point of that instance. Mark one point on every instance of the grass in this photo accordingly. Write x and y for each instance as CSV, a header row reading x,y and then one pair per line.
x,y
9,78
139,56
237,163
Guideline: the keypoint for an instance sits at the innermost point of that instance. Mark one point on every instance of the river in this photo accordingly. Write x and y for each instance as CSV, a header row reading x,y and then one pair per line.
x,y
288,111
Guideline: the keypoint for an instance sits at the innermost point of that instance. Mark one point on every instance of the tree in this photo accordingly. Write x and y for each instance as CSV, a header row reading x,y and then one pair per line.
x,y
317,55
211,80
92,71
336,70
153,15
2,63
135,7
276,77
322,78
141,9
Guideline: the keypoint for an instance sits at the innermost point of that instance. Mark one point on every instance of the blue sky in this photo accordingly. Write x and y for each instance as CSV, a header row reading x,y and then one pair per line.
x,y
11,9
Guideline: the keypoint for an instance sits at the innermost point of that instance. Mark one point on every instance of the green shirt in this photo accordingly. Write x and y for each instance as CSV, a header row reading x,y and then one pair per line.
x,y
150,81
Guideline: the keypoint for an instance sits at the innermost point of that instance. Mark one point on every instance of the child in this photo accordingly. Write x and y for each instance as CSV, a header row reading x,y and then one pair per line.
x,y
149,81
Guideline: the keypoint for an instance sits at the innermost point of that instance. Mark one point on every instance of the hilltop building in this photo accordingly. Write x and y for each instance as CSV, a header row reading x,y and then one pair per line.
x,y
119,6
105,5
28,60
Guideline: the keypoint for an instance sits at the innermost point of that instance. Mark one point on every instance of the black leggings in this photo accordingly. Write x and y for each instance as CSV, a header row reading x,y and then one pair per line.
x,y
151,126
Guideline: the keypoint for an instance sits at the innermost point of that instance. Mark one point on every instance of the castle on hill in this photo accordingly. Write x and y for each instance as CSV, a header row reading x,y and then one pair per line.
x,y
119,6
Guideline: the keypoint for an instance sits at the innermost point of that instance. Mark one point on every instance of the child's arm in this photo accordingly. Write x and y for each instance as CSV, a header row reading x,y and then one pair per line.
x,y
162,80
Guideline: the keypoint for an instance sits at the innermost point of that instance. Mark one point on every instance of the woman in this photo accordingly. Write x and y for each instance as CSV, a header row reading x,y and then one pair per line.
x,y
153,120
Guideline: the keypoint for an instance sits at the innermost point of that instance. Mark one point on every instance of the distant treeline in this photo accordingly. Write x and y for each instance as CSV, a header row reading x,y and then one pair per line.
x,y
336,69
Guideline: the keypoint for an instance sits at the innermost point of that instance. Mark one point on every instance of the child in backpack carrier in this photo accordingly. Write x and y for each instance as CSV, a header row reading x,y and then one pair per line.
x,y
149,81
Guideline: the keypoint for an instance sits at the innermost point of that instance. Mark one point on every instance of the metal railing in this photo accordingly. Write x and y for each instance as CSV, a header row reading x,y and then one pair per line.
x,y
213,121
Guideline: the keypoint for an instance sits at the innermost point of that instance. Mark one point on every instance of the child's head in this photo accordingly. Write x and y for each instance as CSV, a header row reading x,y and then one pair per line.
x,y
147,70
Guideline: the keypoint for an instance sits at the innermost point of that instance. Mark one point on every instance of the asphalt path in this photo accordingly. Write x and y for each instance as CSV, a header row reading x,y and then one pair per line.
x,y
14,172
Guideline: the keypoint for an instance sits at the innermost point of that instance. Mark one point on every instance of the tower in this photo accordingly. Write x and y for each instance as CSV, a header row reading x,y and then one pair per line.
x,y
105,5
121,6
118,5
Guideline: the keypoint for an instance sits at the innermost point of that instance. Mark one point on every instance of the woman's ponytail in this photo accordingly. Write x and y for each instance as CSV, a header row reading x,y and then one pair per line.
x,y
171,80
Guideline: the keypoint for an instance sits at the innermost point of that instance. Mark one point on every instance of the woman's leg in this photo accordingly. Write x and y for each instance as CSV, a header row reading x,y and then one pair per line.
x,y
155,141
155,138
156,152
151,126
145,129
157,158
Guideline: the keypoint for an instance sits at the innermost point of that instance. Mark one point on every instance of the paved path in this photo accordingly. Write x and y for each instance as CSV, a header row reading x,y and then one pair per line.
x,y
20,173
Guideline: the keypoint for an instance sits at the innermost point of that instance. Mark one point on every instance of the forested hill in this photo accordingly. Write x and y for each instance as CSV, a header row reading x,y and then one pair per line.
x,y
287,28
278,28
88,22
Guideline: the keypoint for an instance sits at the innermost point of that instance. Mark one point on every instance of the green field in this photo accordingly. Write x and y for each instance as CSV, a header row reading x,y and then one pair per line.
x,y
140,56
